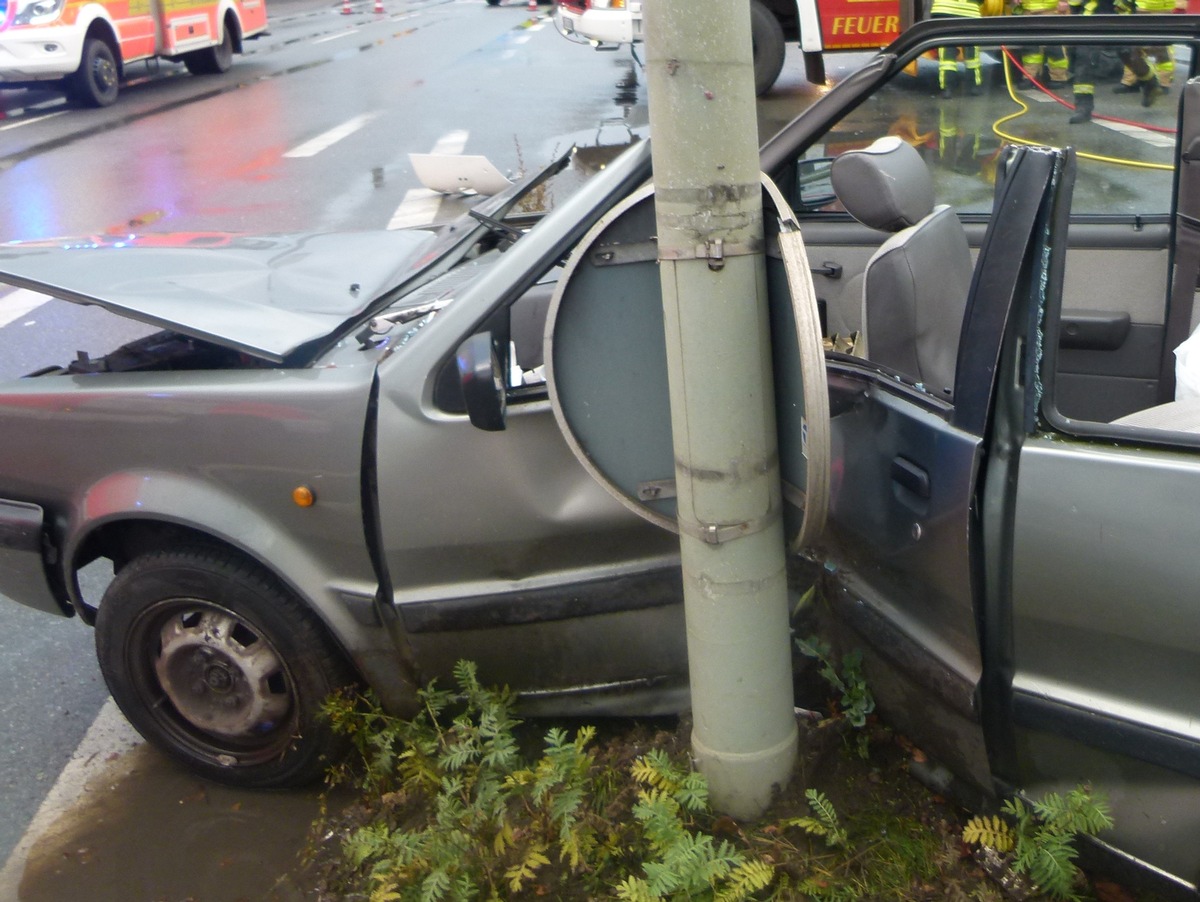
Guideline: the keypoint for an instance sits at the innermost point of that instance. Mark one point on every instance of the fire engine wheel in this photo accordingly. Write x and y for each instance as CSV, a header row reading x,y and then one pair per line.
x,y
96,81
218,665
212,60
769,46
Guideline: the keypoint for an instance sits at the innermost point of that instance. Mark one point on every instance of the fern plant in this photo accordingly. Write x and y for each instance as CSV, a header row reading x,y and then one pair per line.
x,y
493,825
823,823
1040,835
683,863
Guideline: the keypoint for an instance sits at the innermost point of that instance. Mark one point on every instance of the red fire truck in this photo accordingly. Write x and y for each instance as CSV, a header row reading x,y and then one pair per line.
x,y
819,26
86,45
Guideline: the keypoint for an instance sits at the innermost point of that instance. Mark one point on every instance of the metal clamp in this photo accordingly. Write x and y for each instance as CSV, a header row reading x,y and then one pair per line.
x,y
719,533
715,250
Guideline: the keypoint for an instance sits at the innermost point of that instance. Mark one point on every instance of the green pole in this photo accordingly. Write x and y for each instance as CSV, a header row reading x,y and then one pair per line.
x,y
708,202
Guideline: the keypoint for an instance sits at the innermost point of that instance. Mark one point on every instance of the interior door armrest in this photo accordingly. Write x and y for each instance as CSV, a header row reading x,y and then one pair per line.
x,y
1093,330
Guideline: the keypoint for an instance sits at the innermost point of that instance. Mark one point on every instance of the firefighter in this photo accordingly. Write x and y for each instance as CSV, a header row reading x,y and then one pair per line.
x,y
1053,58
1089,61
1162,58
948,56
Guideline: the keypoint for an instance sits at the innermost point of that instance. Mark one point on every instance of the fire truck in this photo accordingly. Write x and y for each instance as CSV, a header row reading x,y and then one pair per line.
x,y
86,46
818,26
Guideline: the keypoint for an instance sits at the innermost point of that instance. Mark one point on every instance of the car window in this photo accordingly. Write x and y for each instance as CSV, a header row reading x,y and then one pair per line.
x,y
960,115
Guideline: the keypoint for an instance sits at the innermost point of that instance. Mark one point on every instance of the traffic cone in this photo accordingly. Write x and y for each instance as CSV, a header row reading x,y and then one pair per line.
x,y
378,6
346,10
532,7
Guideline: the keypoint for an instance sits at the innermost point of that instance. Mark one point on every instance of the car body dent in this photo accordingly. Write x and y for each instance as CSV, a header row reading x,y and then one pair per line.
x,y
523,521
293,428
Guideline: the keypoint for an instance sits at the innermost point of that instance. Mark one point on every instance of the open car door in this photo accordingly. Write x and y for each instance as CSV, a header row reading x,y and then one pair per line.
x,y
904,546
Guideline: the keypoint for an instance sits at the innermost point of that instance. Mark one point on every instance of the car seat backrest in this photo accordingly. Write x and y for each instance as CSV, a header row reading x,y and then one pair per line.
x,y
915,286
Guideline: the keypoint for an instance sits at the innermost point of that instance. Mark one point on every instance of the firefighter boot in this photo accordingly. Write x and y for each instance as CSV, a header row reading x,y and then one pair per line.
x,y
1084,104
1150,90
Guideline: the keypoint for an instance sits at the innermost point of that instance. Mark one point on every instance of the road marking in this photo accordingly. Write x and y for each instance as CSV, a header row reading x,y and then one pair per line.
x,y
452,142
1136,131
4,128
1129,129
110,734
339,35
420,206
511,52
327,139
18,303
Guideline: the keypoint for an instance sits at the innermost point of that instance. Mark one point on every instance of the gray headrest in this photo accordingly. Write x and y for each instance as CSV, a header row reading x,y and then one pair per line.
x,y
885,186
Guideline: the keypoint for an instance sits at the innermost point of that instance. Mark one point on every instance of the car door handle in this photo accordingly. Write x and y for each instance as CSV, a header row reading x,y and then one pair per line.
x,y
828,270
910,476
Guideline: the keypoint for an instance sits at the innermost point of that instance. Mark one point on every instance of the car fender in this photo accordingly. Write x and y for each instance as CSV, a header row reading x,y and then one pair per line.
x,y
344,600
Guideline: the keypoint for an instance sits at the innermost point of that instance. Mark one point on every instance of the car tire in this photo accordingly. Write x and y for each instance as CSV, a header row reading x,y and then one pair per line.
x,y
769,46
217,664
212,60
493,2
97,80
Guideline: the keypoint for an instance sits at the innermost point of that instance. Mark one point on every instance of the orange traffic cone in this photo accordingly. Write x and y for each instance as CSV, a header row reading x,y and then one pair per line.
x,y
346,10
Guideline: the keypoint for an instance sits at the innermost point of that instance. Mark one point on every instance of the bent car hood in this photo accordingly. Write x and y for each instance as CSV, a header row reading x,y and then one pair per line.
x,y
264,295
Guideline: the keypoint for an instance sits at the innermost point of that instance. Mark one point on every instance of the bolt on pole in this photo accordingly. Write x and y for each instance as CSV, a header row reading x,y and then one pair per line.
x,y
708,202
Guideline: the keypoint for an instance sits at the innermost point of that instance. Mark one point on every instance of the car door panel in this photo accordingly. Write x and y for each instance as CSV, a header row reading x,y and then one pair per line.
x,y
901,529
1104,632
1114,292
904,536
1114,300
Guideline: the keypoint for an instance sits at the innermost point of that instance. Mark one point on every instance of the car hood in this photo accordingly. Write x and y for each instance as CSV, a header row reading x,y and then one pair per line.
x,y
265,295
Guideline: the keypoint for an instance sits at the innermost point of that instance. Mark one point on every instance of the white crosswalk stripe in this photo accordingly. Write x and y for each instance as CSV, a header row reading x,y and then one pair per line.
x,y
19,303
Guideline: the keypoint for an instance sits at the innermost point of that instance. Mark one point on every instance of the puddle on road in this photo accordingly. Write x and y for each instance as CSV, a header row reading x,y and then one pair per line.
x,y
146,830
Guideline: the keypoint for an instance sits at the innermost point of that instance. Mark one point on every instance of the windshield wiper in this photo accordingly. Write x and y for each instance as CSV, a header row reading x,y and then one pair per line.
x,y
500,228
382,324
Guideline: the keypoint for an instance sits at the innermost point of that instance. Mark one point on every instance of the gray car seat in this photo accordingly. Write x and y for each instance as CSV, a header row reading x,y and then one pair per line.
x,y
915,286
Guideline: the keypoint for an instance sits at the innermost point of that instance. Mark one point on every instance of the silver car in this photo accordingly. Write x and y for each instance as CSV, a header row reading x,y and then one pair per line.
x,y
361,458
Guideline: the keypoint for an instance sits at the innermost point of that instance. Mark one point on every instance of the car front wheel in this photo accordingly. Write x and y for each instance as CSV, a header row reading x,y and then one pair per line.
x,y
221,667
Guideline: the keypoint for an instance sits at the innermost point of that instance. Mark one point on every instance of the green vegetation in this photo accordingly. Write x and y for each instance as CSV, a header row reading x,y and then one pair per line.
x,y
463,802
1040,836
856,702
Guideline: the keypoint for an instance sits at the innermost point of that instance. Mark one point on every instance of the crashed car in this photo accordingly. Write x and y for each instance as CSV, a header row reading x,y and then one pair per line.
x,y
361,459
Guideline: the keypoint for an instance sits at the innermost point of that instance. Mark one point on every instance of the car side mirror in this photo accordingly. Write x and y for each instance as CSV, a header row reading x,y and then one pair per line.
x,y
484,388
814,187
